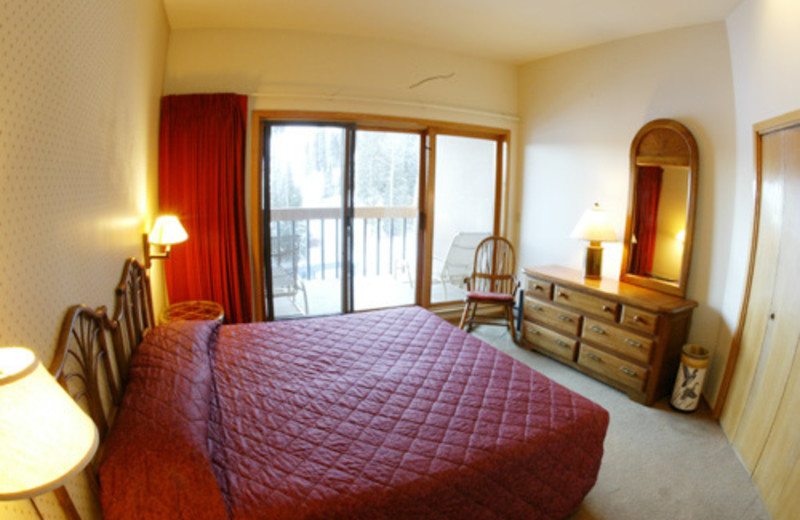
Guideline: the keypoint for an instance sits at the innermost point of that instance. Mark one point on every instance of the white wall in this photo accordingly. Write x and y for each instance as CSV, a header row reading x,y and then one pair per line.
x,y
312,72
321,72
79,117
580,112
764,44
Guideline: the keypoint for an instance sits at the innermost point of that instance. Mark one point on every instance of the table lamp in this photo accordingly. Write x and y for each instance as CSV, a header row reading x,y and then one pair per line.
x,y
166,232
595,227
45,437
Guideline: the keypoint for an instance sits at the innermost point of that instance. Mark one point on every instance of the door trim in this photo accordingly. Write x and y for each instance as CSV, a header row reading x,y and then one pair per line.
x,y
759,130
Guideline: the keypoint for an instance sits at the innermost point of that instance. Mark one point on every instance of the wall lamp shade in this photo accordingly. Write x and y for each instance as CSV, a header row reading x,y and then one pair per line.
x,y
166,231
595,227
45,437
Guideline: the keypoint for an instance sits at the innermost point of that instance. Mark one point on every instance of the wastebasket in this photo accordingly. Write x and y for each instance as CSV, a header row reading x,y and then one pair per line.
x,y
691,374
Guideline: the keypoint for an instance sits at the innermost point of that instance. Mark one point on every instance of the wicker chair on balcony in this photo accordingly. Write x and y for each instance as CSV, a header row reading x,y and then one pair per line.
x,y
492,283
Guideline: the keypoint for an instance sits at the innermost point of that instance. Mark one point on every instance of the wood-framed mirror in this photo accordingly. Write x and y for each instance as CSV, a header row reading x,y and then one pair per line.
x,y
659,229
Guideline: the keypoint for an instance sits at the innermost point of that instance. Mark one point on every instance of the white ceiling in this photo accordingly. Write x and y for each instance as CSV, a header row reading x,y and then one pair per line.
x,y
508,30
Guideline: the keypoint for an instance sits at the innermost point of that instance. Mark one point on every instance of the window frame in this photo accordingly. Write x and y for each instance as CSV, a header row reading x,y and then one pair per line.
x,y
428,131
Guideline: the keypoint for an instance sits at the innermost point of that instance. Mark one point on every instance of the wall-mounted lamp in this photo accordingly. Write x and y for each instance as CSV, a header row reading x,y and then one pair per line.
x,y
166,231
595,227
45,436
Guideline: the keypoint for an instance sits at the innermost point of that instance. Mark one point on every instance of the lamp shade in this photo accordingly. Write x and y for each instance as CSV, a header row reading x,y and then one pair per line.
x,y
45,437
167,231
594,226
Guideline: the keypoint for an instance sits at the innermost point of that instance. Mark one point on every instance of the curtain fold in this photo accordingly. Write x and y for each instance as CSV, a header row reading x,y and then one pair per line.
x,y
648,190
201,180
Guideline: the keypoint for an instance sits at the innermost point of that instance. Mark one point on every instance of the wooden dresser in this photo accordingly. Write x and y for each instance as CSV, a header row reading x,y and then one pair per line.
x,y
624,335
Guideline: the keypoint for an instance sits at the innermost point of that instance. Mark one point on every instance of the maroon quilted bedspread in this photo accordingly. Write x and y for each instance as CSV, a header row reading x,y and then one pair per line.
x,y
384,415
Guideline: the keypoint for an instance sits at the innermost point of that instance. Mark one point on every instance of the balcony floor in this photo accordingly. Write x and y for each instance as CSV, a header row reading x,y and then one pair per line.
x,y
372,292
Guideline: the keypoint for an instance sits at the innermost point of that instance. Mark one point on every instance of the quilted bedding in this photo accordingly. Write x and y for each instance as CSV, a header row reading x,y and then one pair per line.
x,y
384,415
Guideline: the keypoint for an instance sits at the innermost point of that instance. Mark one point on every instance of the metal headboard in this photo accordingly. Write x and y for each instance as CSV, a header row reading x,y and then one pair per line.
x,y
93,353
133,314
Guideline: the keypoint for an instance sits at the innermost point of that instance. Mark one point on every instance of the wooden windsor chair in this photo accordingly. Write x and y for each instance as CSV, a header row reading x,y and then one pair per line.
x,y
492,283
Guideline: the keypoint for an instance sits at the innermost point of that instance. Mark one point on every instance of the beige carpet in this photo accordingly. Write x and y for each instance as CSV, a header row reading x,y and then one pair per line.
x,y
658,463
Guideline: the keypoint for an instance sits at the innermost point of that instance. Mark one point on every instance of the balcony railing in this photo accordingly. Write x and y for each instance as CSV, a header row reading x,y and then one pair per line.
x,y
308,240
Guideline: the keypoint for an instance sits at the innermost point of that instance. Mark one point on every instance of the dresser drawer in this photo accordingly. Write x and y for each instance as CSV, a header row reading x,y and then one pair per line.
x,y
552,316
538,289
586,302
549,341
618,339
628,336
627,373
639,319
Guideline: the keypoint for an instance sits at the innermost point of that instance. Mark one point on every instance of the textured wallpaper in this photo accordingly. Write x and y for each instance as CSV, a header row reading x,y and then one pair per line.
x,y
80,83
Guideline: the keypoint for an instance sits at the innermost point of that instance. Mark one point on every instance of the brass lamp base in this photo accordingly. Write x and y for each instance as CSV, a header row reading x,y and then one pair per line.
x,y
594,260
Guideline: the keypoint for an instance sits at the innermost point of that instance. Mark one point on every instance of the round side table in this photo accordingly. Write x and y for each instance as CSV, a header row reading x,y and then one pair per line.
x,y
193,310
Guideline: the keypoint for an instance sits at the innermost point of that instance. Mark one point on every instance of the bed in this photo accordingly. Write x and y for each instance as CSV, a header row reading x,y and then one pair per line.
x,y
391,414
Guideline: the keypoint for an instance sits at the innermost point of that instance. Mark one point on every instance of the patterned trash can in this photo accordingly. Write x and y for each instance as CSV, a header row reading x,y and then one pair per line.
x,y
691,374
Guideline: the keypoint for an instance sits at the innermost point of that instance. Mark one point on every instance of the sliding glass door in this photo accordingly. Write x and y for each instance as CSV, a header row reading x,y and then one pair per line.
x,y
306,193
464,208
364,212
386,194
340,241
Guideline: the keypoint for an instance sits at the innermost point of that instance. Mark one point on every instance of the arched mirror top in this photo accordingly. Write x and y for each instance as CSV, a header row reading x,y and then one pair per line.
x,y
659,229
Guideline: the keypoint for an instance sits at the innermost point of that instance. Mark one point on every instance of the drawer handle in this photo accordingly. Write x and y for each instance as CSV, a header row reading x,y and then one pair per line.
x,y
562,343
537,307
537,287
606,308
562,294
633,342
564,317
597,329
629,372
534,331
593,356
638,319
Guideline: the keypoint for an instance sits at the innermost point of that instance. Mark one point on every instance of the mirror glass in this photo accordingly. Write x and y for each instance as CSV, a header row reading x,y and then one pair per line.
x,y
659,229
659,222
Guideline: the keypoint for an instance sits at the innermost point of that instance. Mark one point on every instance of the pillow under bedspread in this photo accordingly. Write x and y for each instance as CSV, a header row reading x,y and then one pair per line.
x,y
156,463
393,415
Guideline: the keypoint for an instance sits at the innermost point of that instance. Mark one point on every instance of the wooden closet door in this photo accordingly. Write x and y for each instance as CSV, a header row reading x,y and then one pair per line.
x,y
760,416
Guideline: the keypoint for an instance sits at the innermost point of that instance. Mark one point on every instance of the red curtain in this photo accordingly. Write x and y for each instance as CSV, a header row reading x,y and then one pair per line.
x,y
648,189
201,180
